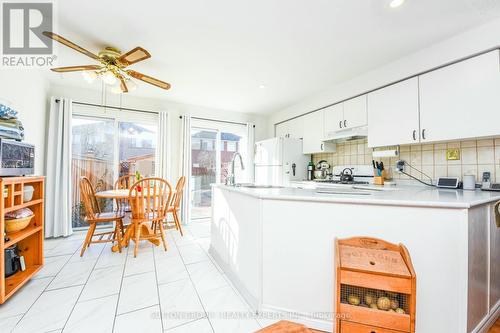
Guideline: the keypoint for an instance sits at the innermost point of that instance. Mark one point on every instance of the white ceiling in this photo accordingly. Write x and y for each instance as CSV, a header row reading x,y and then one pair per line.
x,y
217,53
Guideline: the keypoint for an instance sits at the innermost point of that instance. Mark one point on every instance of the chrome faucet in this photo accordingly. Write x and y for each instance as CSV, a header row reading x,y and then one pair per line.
x,y
230,180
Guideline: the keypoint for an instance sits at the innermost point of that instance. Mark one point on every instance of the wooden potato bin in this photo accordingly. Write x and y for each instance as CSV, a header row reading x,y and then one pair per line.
x,y
375,287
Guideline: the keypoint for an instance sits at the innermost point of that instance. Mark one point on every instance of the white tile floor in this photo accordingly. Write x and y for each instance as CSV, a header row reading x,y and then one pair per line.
x,y
177,291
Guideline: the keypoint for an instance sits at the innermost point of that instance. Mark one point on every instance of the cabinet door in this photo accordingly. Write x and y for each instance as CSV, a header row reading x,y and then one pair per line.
x,y
313,132
393,115
293,128
296,128
282,130
355,113
334,118
461,100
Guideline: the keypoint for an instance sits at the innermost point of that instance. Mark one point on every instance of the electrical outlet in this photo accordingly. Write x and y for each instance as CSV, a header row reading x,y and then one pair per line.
x,y
452,154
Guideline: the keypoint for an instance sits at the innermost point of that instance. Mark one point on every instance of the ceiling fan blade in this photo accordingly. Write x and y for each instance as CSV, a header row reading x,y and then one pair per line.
x,y
69,44
123,85
76,68
133,56
149,79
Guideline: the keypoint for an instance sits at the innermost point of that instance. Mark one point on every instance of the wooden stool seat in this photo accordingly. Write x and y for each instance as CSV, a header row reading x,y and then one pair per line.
x,y
285,327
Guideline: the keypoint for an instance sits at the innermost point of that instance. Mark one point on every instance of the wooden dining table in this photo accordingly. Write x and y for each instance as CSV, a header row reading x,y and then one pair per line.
x,y
123,194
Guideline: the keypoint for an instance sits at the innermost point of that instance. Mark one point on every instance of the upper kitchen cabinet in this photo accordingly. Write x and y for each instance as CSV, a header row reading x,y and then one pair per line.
x,y
345,116
461,100
355,112
393,115
334,119
293,128
313,134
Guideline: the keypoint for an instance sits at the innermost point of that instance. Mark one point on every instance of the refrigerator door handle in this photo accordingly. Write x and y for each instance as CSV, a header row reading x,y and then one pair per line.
x,y
293,169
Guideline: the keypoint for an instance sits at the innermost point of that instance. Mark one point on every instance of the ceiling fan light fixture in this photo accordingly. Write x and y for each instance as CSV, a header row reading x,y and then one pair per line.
x,y
109,78
131,85
89,76
115,89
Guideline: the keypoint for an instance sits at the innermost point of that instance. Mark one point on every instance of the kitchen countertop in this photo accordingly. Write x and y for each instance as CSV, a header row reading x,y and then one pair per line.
x,y
391,195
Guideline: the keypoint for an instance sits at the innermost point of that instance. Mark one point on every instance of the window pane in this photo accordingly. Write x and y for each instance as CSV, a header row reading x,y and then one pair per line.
x,y
203,171
137,148
92,158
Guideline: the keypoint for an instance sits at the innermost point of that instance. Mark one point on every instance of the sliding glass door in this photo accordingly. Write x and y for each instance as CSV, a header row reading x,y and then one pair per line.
x,y
91,158
213,145
107,145
203,170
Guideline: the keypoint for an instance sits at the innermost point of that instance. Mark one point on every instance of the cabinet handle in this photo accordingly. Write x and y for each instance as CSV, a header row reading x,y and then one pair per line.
x,y
414,135
423,134
340,124
345,123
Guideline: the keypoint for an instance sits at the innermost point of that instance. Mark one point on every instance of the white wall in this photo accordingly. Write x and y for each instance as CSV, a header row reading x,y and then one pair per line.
x,y
26,90
174,110
468,43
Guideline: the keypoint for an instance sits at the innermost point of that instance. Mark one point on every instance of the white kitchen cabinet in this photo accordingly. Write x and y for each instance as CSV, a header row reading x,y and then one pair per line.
x,y
344,116
355,112
313,134
393,115
461,100
293,128
334,118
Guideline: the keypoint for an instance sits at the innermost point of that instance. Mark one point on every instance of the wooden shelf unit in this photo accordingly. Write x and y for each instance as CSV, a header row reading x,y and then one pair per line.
x,y
30,239
368,270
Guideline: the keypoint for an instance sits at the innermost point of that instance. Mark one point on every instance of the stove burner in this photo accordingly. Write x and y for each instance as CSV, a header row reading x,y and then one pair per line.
x,y
350,182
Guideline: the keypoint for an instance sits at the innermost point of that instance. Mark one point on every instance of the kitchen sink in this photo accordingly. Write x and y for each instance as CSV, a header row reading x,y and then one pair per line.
x,y
258,186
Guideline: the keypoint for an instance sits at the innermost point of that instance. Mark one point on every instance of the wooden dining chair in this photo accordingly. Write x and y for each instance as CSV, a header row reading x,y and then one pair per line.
x,y
94,216
175,206
149,199
124,183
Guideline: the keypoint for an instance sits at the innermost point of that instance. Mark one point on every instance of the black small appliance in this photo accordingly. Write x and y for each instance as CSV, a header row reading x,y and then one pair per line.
x,y
12,260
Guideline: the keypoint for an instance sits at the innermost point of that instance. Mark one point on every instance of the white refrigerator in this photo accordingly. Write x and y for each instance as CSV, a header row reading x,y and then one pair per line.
x,y
279,161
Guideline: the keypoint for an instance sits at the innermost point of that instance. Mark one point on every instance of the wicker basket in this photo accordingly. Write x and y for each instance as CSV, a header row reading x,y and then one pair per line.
x,y
15,225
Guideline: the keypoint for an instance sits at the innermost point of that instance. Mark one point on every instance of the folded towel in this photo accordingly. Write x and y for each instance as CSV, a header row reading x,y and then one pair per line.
x,y
7,112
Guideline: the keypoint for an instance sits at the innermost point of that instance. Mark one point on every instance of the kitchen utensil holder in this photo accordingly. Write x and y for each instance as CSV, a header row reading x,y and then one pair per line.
x,y
378,180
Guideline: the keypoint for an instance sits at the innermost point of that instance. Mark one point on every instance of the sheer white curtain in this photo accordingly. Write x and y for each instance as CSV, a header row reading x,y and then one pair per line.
x,y
162,151
186,164
58,169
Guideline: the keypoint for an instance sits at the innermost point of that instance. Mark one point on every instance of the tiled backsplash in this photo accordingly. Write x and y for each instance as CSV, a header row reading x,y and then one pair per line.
x,y
476,156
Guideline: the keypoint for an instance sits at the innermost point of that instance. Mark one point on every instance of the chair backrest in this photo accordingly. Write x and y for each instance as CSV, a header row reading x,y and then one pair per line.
x,y
179,189
149,198
88,198
125,182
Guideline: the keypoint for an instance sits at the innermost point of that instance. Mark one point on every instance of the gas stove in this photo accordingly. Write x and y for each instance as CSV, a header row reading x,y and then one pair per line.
x,y
359,175
334,181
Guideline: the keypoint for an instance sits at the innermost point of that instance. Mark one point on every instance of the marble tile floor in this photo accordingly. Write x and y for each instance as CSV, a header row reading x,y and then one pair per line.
x,y
178,291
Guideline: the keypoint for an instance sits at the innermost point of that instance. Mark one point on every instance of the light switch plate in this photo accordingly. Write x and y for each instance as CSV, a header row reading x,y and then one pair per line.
x,y
452,154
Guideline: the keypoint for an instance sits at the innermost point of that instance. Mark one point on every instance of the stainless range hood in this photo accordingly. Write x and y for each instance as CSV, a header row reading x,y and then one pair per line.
x,y
350,134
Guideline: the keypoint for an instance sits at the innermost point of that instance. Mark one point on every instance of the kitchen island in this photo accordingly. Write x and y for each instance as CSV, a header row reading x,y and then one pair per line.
x,y
276,246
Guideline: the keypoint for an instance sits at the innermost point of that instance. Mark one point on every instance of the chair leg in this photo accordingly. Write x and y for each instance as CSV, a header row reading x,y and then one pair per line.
x,y
88,238
177,221
136,238
118,235
162,234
